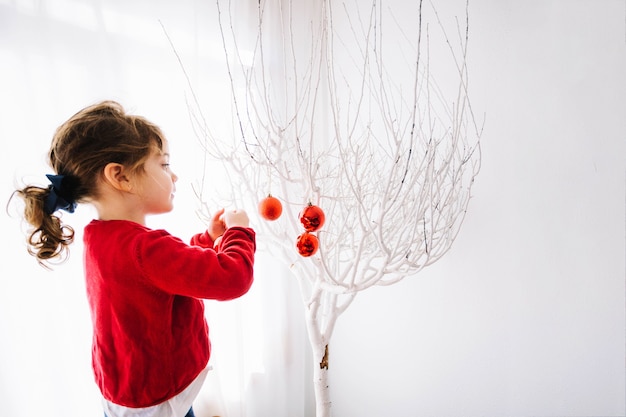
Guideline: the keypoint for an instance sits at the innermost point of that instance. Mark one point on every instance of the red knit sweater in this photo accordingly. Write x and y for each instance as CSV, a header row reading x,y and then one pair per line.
x,y
150,337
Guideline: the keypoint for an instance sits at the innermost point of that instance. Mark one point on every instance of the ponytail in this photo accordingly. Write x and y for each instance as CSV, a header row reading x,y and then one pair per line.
x,y
48,237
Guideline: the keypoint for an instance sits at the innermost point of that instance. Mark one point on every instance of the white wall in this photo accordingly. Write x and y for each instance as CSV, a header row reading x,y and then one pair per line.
x,y
525,316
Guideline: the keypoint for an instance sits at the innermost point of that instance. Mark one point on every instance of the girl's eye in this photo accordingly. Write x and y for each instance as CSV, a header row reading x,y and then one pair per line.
x,y
165,166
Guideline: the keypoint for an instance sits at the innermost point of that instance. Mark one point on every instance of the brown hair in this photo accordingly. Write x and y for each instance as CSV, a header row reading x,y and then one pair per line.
x,y
80,149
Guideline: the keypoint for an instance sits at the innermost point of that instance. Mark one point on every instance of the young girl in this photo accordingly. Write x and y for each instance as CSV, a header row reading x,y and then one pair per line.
x,y
150,338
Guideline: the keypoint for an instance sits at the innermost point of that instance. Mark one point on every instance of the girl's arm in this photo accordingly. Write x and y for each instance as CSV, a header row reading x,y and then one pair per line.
x,y
200,271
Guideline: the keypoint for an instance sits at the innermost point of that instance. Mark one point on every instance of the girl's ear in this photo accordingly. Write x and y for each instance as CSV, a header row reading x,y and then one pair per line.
x,y
116,175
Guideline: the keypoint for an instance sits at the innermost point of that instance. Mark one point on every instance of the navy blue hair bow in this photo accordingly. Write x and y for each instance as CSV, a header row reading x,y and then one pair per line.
x,y
59,197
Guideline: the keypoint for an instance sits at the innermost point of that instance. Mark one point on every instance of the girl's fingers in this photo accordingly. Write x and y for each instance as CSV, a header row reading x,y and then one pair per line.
x,y
218,214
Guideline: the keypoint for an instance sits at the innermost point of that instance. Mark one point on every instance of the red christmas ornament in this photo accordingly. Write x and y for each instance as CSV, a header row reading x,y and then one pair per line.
x,y
312,218
270,208
307,244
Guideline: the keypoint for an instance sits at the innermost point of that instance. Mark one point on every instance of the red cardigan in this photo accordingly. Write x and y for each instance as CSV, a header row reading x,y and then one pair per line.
x,y
150,337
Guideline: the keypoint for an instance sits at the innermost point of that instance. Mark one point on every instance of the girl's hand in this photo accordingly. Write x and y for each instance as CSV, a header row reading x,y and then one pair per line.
x,y
234,218
217,227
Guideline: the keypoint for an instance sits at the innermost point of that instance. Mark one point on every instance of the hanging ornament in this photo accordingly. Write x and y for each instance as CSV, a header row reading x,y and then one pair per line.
x,y
312,218
270,208
307,244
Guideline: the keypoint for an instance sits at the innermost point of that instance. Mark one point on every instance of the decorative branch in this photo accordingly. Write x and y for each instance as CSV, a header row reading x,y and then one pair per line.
x,y
320,115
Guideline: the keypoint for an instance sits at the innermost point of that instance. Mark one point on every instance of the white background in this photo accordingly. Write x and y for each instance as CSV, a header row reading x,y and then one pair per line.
x,y
524,317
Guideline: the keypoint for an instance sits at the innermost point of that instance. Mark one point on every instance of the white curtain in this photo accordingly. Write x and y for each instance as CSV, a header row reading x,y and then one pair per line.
x,y
57,56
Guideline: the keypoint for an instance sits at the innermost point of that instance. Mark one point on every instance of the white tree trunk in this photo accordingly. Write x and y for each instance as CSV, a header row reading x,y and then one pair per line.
x,y
320,382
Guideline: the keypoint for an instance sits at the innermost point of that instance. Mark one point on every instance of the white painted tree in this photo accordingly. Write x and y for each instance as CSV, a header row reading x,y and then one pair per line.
x,y
336,104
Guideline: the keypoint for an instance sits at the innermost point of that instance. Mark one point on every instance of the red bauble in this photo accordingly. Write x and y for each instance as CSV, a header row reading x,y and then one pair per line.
x,y
307,244
312,218
270,208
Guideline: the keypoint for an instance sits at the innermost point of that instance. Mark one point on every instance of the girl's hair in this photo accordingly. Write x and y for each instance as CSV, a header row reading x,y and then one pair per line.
x,y
81,148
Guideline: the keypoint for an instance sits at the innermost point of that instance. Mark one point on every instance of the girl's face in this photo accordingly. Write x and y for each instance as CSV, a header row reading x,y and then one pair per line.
x,y
157,183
